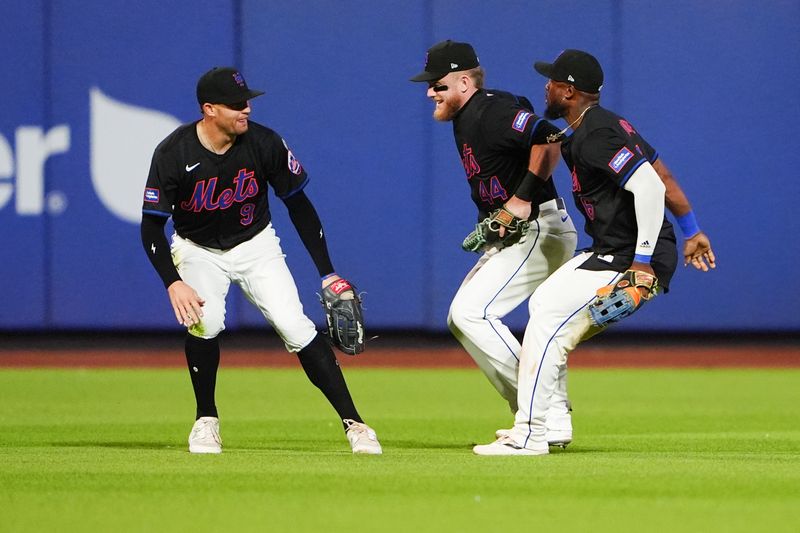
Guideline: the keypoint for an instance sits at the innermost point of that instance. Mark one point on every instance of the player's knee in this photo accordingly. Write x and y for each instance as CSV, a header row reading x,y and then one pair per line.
x,y
455,330
209,327
535,303
462,315
455,318
296,334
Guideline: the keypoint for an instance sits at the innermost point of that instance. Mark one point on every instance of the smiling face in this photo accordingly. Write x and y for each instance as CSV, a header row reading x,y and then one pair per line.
x,y
450,93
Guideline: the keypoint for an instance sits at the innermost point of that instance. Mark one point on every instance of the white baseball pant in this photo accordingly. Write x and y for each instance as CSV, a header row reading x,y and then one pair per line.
x,y
258,267
559,321
496,285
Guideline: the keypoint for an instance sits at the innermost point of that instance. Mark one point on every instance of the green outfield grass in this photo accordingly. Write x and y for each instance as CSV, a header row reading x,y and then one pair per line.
x,y
655,450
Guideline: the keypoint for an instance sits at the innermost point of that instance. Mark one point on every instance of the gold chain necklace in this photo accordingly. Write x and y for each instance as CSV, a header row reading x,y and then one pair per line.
x,y
555,137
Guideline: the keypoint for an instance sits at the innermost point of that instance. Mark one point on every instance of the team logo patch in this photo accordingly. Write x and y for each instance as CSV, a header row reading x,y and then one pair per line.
x,y
521,120
340,285
625,125
294,165
620,159
151,195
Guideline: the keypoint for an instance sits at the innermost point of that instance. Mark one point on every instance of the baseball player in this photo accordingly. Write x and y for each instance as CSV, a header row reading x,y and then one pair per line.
x,y
211,176
620,186
508,163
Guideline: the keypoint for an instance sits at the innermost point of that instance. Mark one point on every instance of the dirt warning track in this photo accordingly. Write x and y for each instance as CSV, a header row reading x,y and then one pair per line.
x,y
633,356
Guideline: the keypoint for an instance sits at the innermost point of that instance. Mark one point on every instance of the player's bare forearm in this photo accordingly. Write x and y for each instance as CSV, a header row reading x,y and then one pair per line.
x,y
544,158
186,303
697,252
696,248
674,197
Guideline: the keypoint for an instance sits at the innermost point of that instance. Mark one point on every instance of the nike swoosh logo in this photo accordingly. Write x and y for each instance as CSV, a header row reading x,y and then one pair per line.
x,y
190,168
563,219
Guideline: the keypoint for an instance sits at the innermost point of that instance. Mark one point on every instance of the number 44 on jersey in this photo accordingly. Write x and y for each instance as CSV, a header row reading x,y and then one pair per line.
x,y
493,192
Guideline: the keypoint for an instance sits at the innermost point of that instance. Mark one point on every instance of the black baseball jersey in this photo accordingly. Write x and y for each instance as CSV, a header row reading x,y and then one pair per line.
x,y
602,154
494,133
219,201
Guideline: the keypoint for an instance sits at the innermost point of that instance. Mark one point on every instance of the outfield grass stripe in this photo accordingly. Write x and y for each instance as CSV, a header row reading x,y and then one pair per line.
x,y
654,450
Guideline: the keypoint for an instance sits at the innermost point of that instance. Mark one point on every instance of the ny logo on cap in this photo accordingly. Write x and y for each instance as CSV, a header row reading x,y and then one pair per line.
x,y
238,79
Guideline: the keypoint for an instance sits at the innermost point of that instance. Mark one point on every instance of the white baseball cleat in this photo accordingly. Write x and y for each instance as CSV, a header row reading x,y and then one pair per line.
x,y
559,428
204,437
507,446
362,438
555,437
500,433
559,437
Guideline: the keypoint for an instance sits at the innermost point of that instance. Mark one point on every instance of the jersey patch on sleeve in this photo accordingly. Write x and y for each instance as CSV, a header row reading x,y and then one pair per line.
x,y
294,165
620,159
151,195
521,120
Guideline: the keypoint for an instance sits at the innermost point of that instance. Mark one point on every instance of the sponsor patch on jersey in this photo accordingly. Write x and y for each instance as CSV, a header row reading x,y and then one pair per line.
x,y
294,165
151,195
521,120
618,161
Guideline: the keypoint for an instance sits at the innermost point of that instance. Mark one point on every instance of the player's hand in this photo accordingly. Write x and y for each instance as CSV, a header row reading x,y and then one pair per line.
x,y
519,208
697,251
643,267
186,303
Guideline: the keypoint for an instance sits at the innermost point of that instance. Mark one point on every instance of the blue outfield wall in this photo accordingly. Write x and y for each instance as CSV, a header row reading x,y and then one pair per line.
x,y
89,92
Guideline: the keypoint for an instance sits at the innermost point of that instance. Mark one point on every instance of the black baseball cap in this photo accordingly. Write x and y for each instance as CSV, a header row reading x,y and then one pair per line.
x,y
445,57
224,85
576,67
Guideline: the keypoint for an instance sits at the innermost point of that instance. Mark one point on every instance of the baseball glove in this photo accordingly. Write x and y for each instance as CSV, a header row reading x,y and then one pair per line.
x,y
487,232
345,319
617,301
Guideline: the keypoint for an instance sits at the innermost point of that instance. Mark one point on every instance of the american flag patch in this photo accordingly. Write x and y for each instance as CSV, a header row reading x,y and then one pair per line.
x,y
151,195
521,120
620,159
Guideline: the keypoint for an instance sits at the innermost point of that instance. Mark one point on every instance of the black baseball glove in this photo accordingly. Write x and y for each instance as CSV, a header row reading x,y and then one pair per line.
x,y
344,316
487,232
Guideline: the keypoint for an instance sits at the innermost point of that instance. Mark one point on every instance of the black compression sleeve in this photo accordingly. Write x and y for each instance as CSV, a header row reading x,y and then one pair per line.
x,y
529,186
308,226
157,248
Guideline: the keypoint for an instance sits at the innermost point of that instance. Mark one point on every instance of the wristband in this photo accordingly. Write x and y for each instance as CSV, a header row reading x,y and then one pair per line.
x,y
639,258
688,224
324,278
529,186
